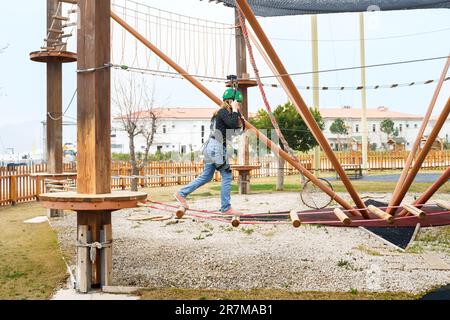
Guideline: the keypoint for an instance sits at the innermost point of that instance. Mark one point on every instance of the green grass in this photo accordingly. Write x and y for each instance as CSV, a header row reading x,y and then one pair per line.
x,y
435,239
267,294
368,250
31,266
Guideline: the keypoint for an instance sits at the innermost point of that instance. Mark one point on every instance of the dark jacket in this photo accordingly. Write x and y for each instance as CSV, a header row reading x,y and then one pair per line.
x,y
226,120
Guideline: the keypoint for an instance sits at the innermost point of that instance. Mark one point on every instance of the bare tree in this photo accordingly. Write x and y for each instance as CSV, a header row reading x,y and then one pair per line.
x,y
134,102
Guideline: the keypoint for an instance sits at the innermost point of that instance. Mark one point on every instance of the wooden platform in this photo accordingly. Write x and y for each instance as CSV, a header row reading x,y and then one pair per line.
x,y
246,83
115,200
54,175
53,56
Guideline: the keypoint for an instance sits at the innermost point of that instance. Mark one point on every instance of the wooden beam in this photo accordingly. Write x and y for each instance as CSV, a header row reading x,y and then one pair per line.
x,y
381,214
69,1
270,144
180,212
398,197
106,255
299,103
295,219
83,262
342,216
236,221
94,95
414,211
423,126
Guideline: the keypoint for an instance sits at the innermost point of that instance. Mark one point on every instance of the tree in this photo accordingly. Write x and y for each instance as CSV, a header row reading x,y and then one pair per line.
x,y
339,128
292,126
294,129
387,126
134,104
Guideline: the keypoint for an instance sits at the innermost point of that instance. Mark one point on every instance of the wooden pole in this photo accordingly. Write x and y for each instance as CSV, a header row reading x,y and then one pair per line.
x,y
315,78
364,128
275,148
241,70
398,197
54,133
413,210
419,137
299,103
380,213
94,106
342,216
295,219
236,221
94,118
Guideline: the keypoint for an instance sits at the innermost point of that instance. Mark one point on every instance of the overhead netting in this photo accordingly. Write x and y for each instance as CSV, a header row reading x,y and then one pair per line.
x,y
270,8
202,47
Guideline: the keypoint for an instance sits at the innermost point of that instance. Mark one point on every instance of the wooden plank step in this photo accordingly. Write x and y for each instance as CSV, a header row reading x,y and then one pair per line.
x,y
61,18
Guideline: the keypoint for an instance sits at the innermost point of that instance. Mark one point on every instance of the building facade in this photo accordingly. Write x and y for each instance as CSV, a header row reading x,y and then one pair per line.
x,y
183,130
407,126
180,130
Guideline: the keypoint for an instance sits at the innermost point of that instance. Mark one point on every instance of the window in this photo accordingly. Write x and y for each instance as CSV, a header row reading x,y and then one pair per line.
x,y
357,128
407,125
400,127
183,149
164,129
203,134
415,125
374,127
158,148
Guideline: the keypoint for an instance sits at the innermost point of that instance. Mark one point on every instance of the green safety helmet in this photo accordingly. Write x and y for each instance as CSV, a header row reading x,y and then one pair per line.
x,y
232,94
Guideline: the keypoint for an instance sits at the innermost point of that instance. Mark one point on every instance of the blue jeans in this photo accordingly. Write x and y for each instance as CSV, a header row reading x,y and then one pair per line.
x,y
211,157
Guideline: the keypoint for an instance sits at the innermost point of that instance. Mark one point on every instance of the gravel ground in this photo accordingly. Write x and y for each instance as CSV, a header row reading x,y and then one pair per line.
x,y
211,255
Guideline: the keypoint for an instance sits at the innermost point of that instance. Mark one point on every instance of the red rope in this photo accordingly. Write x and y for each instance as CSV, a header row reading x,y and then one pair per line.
x,y
260,85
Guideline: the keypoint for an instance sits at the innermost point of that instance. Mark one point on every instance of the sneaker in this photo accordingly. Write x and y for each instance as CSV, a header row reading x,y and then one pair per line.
x,y
232,212
181,200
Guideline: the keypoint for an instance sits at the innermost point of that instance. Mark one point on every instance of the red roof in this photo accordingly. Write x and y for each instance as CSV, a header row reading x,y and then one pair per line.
x,y
342,112
372,113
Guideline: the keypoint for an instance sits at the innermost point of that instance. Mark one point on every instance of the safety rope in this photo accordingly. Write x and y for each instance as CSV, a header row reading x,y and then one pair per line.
x,y
93,247
260,86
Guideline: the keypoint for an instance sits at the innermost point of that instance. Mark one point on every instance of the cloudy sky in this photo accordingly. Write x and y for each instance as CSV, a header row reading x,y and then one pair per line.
x,y
391,37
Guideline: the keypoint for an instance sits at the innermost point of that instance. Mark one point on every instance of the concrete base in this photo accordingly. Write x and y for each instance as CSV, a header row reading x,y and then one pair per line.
x,y
72,294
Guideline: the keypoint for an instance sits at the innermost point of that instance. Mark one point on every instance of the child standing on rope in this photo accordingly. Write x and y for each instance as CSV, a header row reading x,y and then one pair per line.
x,y
224,124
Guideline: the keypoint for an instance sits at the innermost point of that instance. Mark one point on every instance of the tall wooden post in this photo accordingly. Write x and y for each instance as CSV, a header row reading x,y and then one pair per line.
x,y
54,133
315,78
94,117
241,70
364,128
93,200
